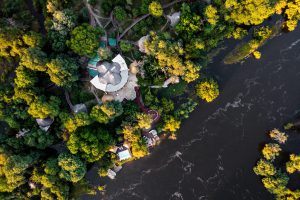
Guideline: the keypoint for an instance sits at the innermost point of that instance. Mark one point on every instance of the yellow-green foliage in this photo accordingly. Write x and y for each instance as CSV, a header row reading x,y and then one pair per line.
x,y
156,9
249,12
139,149
170,57
264,168
239,33
257,54
171,124
144,120
42,109
271,150
208,90
80,119
211,14
293,14
294,164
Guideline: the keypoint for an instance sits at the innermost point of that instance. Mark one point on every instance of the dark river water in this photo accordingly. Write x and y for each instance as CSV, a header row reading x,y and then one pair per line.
x,y
219,144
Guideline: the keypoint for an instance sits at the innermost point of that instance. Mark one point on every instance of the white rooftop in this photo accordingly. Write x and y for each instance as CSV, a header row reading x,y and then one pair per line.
x,y
124,154
112,76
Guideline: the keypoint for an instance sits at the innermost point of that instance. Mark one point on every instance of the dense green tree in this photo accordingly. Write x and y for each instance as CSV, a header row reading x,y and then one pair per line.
x,y
52,186
112,109
90,143
34,59
26,94
183,111
120,13
72,168
63,21
58,41
71,123
190,23
24,77
39,138
106,112
43,108
139,149
125,46
33,39
98,115
62,71
85,40
13,169
276,184
10,42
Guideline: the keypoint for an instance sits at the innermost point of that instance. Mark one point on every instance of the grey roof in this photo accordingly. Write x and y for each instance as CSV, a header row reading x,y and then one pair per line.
x,y
44,122
109,73
80,108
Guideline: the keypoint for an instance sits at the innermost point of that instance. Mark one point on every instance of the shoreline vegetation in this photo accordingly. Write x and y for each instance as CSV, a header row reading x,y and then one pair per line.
x,y
100,82
278,165
246,49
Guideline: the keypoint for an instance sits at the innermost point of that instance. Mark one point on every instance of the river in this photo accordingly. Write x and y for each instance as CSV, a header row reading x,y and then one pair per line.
x,y
219,144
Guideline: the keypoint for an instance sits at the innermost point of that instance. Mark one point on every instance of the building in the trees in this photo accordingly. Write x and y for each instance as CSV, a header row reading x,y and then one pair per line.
x,y
174,18
111,76
123,153
114,78
45,124
81,107
151,138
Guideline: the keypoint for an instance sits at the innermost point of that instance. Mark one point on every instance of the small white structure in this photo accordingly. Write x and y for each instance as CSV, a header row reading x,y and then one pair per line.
x,y
22,132
174,18
151,138
141,43
123,153
112,76
45,124
111,174
79,108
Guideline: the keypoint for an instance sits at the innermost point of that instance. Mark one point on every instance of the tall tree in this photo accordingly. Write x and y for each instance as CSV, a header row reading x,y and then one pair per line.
x,y
62,71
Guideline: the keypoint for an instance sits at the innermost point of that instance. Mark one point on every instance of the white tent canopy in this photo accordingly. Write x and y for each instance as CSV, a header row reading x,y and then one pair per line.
x,y
112,77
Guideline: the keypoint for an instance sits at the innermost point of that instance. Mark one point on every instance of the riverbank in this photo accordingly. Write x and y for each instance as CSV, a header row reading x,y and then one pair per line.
x,y
218,146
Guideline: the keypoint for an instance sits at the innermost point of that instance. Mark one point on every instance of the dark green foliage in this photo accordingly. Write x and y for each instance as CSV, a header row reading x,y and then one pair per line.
x,y
63,71
14,168
72,168
39,138
120,13
58,41
90,143
185,109
85,40
125,46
